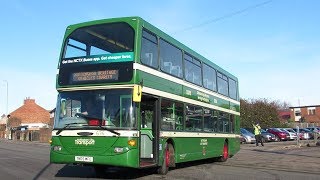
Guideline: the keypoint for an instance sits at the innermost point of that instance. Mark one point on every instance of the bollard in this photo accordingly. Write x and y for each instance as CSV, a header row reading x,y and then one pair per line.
x,y
298,137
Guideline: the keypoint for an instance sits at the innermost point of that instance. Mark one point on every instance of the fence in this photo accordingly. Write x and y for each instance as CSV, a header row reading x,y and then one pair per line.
x,y
303,125
41,135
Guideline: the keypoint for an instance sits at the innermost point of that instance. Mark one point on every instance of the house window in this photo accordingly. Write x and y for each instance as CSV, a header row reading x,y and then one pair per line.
x,y
311,110
297,112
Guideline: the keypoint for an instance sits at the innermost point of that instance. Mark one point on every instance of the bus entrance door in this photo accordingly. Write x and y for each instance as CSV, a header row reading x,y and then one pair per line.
x,y
149,133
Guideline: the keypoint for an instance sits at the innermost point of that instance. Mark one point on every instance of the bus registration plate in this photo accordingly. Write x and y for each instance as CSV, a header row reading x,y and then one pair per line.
x,y
83,158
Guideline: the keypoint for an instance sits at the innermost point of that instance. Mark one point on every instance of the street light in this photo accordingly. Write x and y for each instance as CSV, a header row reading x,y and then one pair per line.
x,y
8,133
7,95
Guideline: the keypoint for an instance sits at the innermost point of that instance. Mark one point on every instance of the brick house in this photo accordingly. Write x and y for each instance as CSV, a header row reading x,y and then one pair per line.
x,y
26,122
307,114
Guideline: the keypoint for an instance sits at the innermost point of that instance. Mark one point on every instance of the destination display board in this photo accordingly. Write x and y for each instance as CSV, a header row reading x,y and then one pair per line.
x,y
95,76
102,73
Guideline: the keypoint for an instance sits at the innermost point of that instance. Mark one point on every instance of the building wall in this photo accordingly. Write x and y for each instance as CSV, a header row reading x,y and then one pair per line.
x,y
30,112
305,116
29,115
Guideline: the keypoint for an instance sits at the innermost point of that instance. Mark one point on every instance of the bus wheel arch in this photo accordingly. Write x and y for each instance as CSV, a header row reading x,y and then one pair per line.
x,y
225,152
168,159
171,148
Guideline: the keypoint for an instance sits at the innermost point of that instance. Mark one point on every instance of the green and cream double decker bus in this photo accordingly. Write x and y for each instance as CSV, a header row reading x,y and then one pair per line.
x,y
132,96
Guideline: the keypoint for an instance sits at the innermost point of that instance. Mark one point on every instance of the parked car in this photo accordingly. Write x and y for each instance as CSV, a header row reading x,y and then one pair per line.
x,y
280,135
292,134
304,130
248,136
267,137
303,134
242,139
314,129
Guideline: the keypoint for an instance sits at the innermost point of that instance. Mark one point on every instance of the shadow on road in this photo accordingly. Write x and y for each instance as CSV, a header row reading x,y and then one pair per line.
x,y
195,163
284,152
119,173
110,172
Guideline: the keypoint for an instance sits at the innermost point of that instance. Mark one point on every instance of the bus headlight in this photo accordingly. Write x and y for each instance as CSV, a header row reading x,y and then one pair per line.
x,y
56,148
118,149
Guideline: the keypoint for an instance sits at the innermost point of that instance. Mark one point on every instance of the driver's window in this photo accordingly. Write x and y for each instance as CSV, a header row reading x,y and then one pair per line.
x,y
69,107
126,111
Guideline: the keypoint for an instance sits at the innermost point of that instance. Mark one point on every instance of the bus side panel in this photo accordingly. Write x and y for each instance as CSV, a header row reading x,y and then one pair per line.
x,y
190,149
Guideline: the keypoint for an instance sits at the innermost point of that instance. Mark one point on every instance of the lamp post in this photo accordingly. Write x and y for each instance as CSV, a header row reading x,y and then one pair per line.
x,y
7,85
7,103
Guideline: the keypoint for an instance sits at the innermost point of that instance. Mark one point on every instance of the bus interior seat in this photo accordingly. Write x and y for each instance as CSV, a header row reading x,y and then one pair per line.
x,y
149,58
176,70
167,66
207,83
195,78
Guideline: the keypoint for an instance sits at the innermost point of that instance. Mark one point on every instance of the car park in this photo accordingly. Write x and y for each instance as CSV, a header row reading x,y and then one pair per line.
x,y
265,136
280,135
304,130
303,134
314,129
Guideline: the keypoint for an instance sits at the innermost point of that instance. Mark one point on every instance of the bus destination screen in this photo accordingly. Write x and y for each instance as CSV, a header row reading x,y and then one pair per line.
x,y
95,76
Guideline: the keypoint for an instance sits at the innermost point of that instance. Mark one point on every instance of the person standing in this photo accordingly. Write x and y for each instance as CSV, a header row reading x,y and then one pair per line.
x,y
257,134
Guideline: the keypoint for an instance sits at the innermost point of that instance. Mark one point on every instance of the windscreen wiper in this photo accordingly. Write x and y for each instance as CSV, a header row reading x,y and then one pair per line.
x,y
110,130
65,127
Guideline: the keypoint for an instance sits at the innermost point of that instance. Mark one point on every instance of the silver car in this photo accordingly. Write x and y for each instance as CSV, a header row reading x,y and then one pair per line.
x,y
248,136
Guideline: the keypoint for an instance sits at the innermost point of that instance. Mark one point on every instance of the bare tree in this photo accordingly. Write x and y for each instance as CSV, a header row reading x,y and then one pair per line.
x,y
13,122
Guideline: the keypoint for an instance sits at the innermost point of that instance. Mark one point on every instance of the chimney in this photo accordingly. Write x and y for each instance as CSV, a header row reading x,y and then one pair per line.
x,y
29,101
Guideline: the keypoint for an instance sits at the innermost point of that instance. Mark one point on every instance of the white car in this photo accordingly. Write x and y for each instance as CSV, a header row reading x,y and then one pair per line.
x,y
292,133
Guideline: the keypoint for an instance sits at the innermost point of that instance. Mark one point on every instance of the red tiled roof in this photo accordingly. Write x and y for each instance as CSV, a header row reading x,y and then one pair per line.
x,y
284,113
30,112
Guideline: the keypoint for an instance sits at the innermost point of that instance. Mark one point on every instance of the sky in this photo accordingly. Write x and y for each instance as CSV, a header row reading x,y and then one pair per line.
x,y
272,46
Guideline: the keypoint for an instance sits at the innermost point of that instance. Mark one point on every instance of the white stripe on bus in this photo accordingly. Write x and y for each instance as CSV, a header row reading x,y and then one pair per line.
x,y
135,133
100,133
179,81
197,134
186,100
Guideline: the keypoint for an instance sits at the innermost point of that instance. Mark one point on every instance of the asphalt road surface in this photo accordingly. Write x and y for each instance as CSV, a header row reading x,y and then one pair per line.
x,y
29,160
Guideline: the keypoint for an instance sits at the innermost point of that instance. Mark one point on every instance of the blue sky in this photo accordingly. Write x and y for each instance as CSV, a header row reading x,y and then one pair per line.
x,y
273,49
